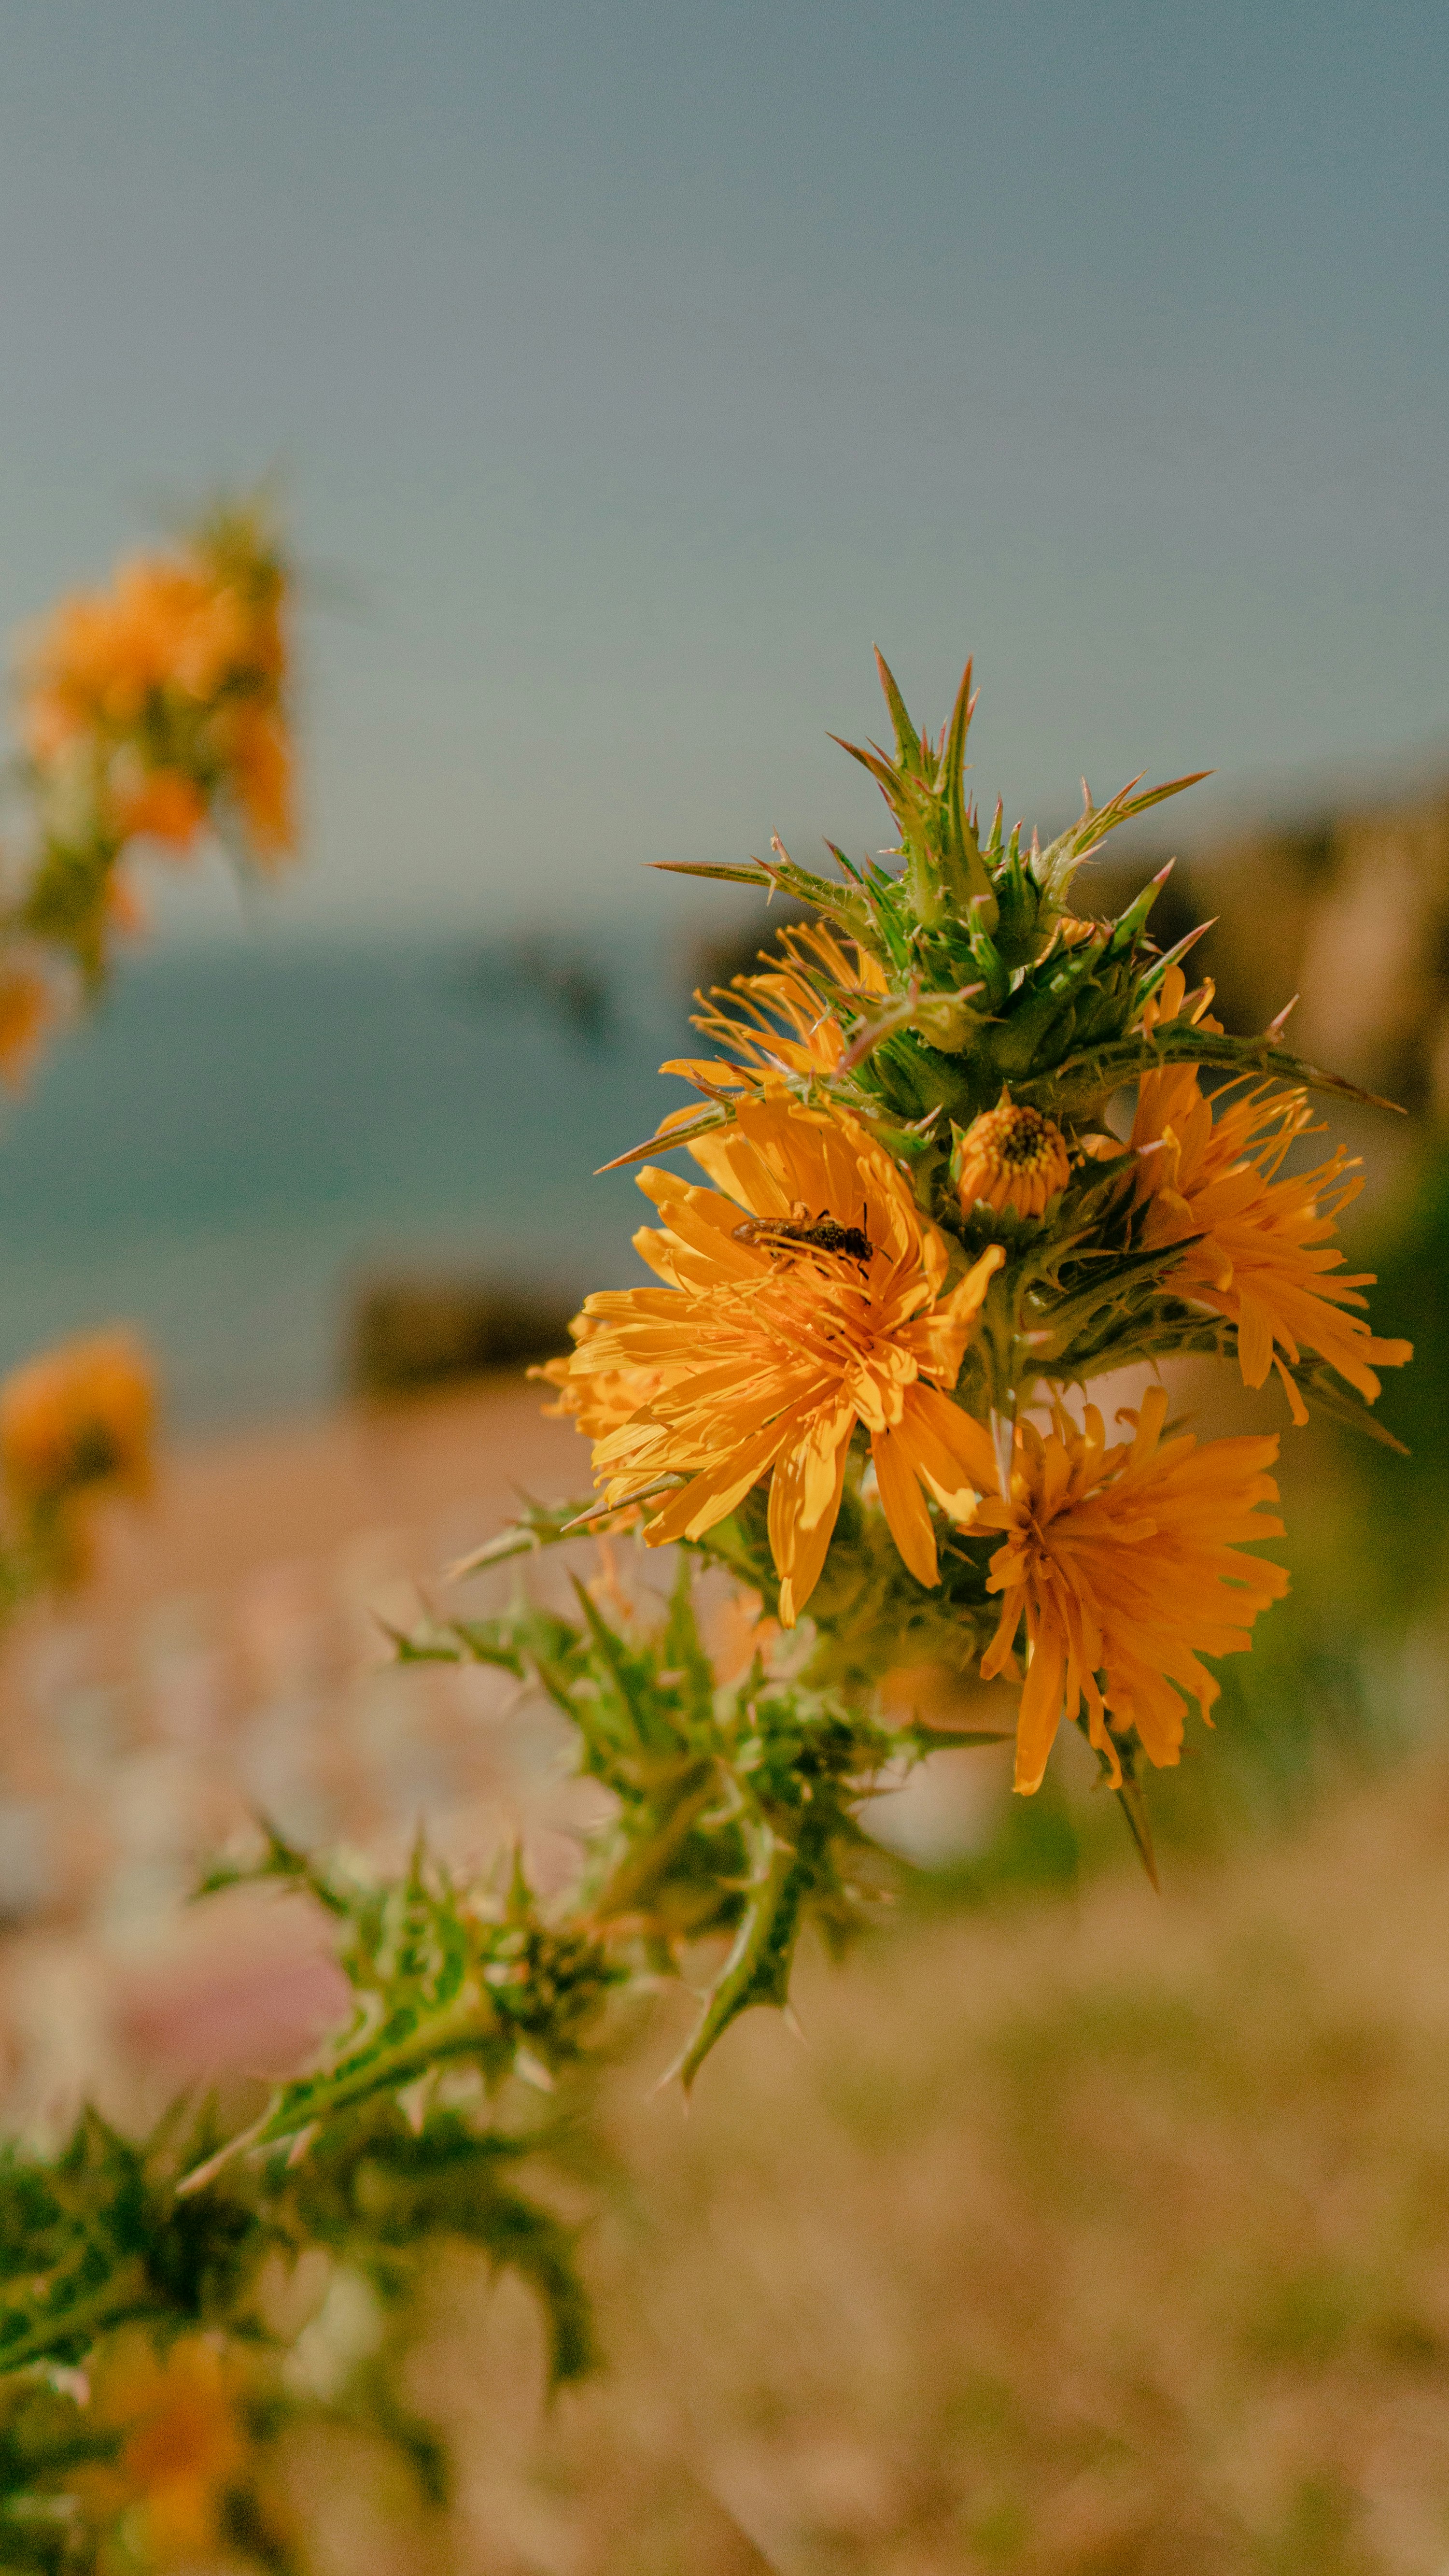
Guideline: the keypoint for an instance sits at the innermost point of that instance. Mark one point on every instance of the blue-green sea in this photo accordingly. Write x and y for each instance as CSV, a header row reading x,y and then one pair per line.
x,y
240,1135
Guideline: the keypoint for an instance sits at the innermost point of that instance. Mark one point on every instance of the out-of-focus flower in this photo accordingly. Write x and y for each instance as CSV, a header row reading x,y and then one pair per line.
x,y
104,656
126,908
257,752
153,712
27,1008
167,693
1126,1566
808,1299
159,805
183,2446
75,1422
1263,1257
1010,1158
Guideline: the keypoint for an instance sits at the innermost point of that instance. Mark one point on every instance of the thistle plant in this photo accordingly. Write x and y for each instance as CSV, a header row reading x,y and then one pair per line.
x,y
924,1236
965,1150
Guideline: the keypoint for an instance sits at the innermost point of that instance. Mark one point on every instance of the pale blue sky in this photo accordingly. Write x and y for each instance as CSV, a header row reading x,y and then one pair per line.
x,y
640,365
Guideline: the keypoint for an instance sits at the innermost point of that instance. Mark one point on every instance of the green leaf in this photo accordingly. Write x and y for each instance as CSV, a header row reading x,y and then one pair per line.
x,y
925,1740
381,2195
757,1970
438,1982
1099,1072
94,2238
684,1649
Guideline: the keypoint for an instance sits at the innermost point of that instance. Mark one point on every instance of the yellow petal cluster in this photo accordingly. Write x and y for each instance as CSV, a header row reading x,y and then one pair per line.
x,y
1125,1565
27,1008
782,1019
769,1349
183,2445
1213,1169
75,1421
168,691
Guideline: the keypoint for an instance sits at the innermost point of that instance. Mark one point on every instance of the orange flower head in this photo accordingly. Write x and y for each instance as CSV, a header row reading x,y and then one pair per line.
x,y
27,1009
159,805
257,752
104,656
73,1422
167,691
804,1294
783,1018
1011,1158
1126,1566
184,2444
126,909
1263,1258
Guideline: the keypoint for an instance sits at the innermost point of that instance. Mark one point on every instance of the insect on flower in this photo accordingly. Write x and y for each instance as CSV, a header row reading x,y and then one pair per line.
x,y
800,1232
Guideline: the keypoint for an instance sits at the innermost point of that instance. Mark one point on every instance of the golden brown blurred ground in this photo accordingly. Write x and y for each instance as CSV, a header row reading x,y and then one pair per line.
x,y
1082,2235
1106,2236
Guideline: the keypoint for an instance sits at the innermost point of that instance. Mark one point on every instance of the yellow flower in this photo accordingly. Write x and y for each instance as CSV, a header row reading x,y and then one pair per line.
x,y
158,805
1125,1564
166,691
1011,1158
1263,1258
777,1020
74,1421
257,755
184,2445
103,656
27,1008
802,1296
602,1402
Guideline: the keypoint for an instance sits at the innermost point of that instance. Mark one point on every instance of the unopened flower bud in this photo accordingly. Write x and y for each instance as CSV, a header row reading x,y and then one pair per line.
x,y
1010,1157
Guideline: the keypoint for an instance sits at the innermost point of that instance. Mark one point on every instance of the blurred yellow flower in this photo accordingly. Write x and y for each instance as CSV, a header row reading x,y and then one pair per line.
x,y
257,754
161,805
1011,1158
184,2446
1125,1564
168,691
1263,1257
804,1295
104,655
27,1008
75,1421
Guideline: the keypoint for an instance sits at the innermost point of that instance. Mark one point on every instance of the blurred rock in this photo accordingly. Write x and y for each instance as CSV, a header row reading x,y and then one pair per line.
x,y
539,970
1352,910
411,1333
714,957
